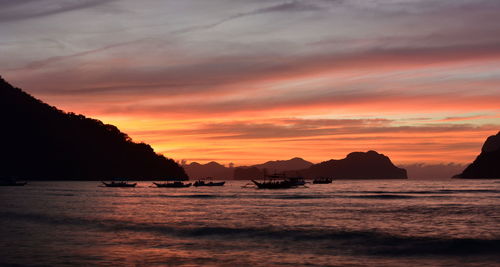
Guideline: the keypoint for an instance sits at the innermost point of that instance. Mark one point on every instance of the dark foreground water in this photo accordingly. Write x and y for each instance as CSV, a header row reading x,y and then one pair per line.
x,y
347,223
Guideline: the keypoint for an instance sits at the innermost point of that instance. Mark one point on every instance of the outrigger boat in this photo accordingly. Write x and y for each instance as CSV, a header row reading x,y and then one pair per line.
x,y
203,183
274,184
298,181
12,182
279,182
119,184
322,180
175,184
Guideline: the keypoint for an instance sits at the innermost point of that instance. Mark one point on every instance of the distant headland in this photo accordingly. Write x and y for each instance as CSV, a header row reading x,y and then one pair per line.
x,y
357,165
41,142
487,164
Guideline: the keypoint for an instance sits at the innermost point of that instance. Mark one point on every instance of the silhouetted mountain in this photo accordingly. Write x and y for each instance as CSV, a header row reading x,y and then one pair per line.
x,y
212,169
216,170
42,142
487,164
284,165
357,165
270,167
247,173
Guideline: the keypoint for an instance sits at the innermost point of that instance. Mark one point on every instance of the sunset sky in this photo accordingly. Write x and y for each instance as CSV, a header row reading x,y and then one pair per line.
x,y
247,81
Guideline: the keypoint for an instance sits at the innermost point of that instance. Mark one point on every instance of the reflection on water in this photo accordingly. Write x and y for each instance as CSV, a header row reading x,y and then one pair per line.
x,y
371,223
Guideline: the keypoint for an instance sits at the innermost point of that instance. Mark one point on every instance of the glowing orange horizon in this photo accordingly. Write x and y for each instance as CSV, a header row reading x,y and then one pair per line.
x,y
221,89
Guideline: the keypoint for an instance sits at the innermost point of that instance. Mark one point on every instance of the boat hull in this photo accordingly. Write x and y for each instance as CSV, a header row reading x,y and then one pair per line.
x,y
326,181
198,183
274,185
14,184
295,181
119,184
172,185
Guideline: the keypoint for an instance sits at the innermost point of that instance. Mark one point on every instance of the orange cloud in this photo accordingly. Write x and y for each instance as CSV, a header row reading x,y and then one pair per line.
x,y
250,142
251,106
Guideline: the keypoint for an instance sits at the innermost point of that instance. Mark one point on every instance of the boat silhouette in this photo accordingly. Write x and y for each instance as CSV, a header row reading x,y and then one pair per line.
x,y
175,184
12,182
203,183
322,180
119,184
297,181
274,184
279,181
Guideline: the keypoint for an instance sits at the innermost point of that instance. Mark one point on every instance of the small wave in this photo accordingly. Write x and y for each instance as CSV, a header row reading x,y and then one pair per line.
x,y
440,191
61,194
61,190
199,196
393,192
468,191
177,196
194,196
300,197
436,246
329,240
382,196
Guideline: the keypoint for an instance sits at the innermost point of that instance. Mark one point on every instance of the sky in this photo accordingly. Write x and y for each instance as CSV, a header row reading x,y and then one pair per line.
x,y
246,81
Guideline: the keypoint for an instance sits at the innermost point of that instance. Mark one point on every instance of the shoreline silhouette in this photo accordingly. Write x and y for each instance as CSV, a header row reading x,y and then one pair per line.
x,y
45,143
74,147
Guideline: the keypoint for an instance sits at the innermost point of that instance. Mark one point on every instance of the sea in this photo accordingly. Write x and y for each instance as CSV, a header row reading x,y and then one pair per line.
x,y
347,223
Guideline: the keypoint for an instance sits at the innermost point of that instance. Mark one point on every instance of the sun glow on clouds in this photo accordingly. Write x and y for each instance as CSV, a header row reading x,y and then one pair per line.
x,y
249,81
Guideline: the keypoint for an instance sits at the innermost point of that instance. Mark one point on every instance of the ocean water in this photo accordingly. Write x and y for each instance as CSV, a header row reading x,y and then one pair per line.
x,y
346,223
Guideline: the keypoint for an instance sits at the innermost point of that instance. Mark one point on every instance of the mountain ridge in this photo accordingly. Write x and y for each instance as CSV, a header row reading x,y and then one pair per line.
x,y
197,170
356,165
42,142
487,163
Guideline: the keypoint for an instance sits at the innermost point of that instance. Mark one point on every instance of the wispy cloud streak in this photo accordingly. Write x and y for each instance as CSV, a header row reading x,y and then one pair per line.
x,y
415,79
27,9
292,6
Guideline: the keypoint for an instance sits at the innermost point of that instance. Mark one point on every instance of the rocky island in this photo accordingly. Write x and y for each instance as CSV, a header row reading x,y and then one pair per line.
x,y
357,165
487,164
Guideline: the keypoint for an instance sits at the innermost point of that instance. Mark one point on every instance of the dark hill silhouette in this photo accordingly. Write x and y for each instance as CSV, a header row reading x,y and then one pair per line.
x,y
212,169
248,173
284,165
270,167
357,165
487,164
217,170
42,142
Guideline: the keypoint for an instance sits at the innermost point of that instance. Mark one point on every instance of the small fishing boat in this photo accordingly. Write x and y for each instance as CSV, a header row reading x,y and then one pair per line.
x,y
119,184
277,181
274,184
173,185
322,180
298,181
12,182
203,183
